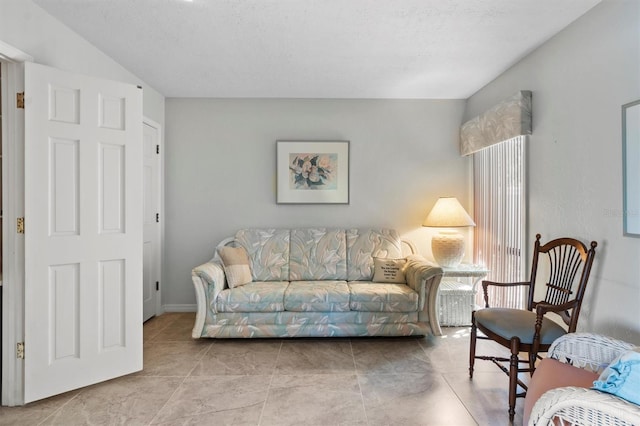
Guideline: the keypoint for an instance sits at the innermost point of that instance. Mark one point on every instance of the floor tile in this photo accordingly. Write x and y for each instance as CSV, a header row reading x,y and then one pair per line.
x,y
412,399
233,357
179,329
156,324
321,399
349,381
216,400
450,352
385,356
172,358
486,396
127,400
315,357
35,412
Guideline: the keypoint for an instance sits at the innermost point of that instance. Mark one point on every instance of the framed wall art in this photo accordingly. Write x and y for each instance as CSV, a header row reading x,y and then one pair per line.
x,y
631,169
312,172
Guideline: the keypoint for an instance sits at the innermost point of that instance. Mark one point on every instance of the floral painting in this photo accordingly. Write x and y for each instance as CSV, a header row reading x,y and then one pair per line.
x,y
313,171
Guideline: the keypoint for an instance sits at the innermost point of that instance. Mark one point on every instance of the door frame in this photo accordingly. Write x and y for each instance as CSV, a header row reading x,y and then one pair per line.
x,y
12,60
158,127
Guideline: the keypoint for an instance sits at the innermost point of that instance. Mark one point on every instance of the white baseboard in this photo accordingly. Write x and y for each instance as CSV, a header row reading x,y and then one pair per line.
x,y
179,308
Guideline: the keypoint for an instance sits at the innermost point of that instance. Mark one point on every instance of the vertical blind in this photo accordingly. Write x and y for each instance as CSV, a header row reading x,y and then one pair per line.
x,y
500,215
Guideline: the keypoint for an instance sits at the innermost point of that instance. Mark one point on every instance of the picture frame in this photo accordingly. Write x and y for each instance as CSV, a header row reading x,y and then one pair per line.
x,y
631,169
312,172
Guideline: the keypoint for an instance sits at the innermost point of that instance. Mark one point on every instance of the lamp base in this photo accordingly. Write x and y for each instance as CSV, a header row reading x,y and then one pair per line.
x,y
448,248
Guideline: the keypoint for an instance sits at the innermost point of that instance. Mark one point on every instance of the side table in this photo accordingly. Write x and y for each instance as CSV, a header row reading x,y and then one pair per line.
x,y
457,292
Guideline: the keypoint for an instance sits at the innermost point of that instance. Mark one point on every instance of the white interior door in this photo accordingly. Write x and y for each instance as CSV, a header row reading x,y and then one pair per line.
x,y
83,231
151,209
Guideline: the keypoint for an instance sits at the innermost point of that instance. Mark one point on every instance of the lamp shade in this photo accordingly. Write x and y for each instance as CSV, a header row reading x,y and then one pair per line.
x,y
448,246
448,213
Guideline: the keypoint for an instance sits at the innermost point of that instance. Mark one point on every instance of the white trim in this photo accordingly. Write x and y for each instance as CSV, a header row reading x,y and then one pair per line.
x,y
11,54
176,307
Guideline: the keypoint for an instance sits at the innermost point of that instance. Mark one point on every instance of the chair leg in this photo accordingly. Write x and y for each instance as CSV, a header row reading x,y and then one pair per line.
x,y
513,376
532,362
472,344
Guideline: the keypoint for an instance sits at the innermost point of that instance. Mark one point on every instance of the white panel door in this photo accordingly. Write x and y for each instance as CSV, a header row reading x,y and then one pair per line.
x,y
83,231
151,215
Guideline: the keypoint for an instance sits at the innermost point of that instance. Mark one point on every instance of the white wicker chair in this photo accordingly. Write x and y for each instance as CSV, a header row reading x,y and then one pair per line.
x,y
580,406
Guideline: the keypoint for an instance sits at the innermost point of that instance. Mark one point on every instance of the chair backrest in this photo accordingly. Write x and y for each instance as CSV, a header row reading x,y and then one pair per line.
x,y
569,266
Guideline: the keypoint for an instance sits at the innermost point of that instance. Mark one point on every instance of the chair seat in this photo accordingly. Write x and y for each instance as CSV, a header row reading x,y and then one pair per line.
x,y
508,323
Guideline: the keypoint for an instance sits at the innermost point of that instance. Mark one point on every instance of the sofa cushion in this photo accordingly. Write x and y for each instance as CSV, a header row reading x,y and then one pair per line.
x,y
253,297
318,254
389,270
365,244
551,374
268,251
236,265
317,296
382,297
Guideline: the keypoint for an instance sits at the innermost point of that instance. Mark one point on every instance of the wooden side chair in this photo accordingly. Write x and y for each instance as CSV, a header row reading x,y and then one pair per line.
x,y
531,331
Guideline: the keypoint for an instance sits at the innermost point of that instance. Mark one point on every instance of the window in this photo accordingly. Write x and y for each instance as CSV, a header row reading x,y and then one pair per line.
x,y
500,197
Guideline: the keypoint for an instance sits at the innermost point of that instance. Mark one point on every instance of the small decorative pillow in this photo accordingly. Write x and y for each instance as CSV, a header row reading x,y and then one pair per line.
x,y
389,270
622,377
236,265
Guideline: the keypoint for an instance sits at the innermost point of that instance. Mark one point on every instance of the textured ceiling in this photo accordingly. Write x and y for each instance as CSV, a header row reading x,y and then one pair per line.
x,y
430,49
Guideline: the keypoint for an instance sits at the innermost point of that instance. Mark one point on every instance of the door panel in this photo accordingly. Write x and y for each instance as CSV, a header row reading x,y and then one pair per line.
x,y
83,230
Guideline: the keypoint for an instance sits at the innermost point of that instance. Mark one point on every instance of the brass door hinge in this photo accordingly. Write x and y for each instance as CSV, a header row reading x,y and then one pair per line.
x,y
20,225
20,350
20,100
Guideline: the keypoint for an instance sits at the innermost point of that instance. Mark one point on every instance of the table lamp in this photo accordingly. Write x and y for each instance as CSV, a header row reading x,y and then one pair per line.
x,y
448,245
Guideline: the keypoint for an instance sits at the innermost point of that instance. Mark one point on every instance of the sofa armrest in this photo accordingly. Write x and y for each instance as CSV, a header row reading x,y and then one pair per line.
x,y
424,278
587,350
208,280
582,406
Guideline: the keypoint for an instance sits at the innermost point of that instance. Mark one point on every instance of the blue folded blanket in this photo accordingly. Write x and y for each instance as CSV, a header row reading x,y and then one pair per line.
x,y
622,377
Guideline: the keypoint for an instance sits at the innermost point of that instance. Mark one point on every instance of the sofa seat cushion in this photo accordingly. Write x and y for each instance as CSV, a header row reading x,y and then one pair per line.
x,y
317,296
552,374
379,297
253,297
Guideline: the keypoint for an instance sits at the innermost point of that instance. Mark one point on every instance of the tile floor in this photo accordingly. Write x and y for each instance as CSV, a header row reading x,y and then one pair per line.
x,y
358,381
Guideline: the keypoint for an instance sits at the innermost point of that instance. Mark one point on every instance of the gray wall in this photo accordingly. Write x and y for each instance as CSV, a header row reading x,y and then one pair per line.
x,y
580,79
220,170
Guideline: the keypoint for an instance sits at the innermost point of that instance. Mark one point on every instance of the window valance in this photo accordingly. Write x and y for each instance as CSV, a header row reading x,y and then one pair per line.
x,y
508,119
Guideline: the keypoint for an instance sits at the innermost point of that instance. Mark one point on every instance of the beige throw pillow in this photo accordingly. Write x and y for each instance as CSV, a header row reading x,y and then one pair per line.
x,y
236,265
389,270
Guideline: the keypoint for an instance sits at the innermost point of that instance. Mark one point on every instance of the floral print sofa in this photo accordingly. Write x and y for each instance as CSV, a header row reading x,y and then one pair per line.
x,y
312,282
